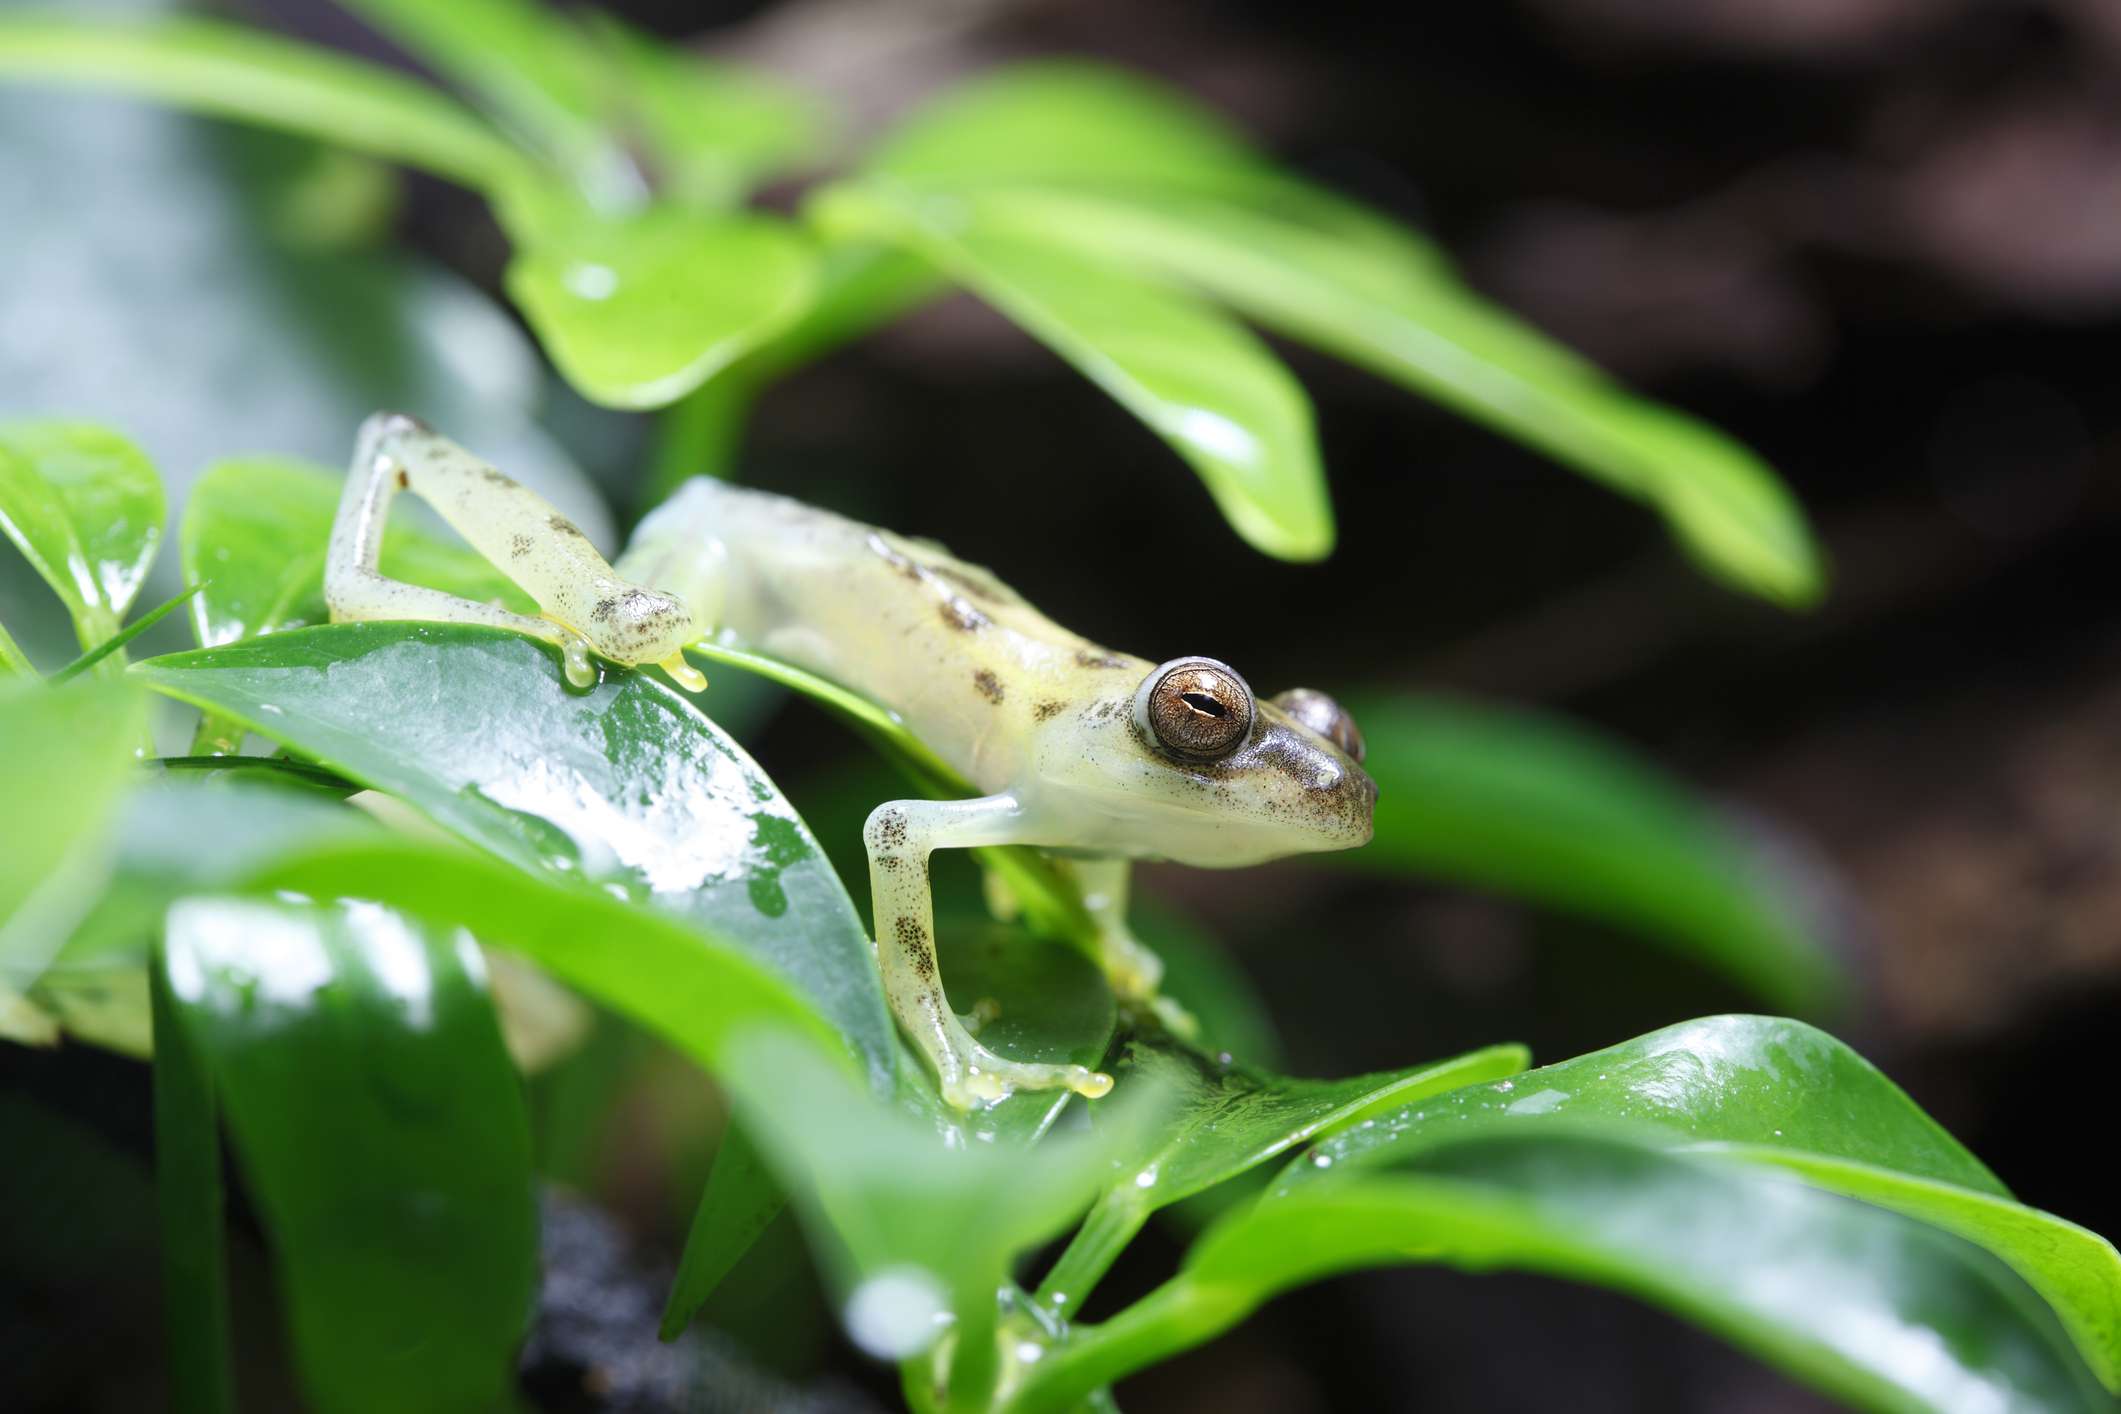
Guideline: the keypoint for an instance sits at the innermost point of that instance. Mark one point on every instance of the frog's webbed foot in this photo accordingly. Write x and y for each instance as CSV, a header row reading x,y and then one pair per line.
x,y
977,1077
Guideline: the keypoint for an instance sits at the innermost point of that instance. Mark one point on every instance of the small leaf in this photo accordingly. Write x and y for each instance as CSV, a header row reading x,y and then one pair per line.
x,y
254,533
382,1128
1228,1119
640,308
1531,806
69,750
85,508
1400,313
117,641
235,71
628,786
1198,379
1864,1305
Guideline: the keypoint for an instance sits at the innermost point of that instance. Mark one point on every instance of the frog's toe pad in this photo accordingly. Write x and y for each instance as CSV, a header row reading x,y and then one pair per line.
x,y
989,1079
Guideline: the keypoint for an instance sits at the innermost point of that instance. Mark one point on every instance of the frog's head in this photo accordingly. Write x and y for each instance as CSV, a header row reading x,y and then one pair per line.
x,y
1195,769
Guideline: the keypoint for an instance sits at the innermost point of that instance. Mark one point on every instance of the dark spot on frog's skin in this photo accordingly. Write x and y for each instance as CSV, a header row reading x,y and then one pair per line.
x,y
404,480
518,546
989,686
914,939
888,863
960,615
603,611
1086,659
1046,711
566,527
891,829
497,478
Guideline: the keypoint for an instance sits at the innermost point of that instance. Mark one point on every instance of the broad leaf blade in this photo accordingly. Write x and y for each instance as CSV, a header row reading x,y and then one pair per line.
x,y
235,71
1863,1304
85,508
382,1129
1400,314
254,533
627,786
1531,806
638,309
1197,378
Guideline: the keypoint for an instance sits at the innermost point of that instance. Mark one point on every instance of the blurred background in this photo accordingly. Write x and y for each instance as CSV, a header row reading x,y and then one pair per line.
x,y
1878,240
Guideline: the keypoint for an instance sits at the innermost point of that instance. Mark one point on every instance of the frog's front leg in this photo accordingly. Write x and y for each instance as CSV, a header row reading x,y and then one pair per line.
x,y
900,836
1129,966
587,606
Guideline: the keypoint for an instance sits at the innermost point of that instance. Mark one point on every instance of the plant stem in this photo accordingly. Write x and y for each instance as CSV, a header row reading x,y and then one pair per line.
x,y
1177,1315
1096,1245
189,1198
976,1361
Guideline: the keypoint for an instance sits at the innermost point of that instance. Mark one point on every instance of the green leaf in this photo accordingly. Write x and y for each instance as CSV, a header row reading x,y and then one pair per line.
x,y
1228,1119
234,71
741,1200
382,1128
1197,378
1865,1305
1532,806
1753,1091
188,1197
69,750
640,308
1067,122
627,786
1398,312
12,659
85,508
117,641
254,534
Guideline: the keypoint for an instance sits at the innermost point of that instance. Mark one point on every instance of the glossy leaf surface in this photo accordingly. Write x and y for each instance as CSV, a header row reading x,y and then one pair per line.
x,y
85,508
381,1126
640,308
1866,1305
1199,380
1534,807
628,786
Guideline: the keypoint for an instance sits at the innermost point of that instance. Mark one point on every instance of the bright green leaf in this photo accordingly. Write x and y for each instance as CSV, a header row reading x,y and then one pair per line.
x,y
235,71
1399,313
640,308
1228,1119
1865,1305
382,1128
1531,806
1197,378
255,530
85,508
628,786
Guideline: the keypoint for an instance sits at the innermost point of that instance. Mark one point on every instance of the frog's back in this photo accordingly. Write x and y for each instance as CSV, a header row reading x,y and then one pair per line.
x,y
970,665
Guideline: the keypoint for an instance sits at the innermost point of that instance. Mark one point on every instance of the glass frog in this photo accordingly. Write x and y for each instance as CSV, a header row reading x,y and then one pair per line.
x,y
1098,756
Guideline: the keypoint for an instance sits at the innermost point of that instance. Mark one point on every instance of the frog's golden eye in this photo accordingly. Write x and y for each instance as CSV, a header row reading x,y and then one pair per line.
x,y
1197,708
1313,709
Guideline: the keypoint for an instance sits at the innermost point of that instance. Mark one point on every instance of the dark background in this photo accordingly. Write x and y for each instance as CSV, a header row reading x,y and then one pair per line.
x,y
1880,241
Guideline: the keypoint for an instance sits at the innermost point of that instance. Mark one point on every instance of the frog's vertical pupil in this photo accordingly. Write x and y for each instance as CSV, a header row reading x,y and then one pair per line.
x,y
1197,708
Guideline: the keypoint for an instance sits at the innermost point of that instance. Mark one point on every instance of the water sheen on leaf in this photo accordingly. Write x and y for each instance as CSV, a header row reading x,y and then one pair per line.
x,y
85,508
628,786
382,1128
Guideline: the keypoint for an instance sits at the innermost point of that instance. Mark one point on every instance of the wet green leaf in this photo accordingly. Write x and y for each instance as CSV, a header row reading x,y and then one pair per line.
x,y
1865,1305
1753,1091
1399,313
381,1127
69,750
235,71
255,531
85,508
1198,379
628,786
640,308
1531,806
1227,1119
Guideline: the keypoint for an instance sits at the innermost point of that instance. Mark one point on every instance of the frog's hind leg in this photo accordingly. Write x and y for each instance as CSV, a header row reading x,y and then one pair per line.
x,y
585,604
900,836
1129,966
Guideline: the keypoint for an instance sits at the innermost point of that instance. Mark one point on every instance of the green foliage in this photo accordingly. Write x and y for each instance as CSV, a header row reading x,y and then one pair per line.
x,y
1107,217
85,509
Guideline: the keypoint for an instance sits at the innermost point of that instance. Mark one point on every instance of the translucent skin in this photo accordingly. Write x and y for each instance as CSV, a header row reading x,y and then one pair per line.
x,y
1045,722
